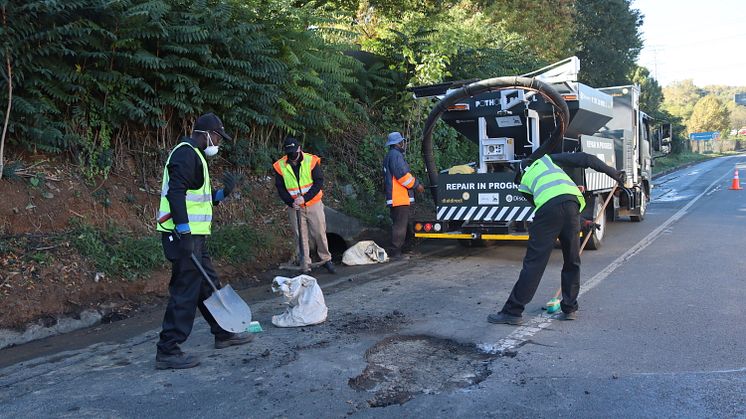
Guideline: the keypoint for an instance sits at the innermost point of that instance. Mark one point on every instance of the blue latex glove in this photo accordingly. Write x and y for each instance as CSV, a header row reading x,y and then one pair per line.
x,y
183,228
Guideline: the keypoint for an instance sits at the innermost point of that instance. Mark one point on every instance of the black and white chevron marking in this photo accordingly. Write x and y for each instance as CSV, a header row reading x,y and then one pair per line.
x,y
595,181
484,213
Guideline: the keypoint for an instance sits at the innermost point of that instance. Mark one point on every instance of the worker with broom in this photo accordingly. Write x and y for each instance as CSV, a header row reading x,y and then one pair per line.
x,y
558,203
185,218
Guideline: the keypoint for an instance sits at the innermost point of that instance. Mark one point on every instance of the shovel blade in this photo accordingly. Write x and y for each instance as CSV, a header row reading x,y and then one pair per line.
x,y
229,310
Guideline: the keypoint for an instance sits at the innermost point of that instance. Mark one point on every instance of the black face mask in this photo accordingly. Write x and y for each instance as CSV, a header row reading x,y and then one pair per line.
x,y
292,156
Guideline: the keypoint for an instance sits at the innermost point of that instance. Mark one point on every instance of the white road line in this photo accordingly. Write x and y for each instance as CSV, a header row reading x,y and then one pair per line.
x,y
533,325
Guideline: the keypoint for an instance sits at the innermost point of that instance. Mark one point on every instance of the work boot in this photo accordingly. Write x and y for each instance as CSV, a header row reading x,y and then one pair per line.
x,y
175,361
234,340
330,267
505,318
568,316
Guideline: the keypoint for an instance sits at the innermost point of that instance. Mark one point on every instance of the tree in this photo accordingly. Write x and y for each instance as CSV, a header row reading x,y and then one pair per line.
x,y
737,115
651,94
680,98
709,114
607,40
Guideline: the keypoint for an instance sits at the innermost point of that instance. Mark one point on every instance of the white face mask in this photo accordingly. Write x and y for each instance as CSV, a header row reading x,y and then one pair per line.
x,y
211,148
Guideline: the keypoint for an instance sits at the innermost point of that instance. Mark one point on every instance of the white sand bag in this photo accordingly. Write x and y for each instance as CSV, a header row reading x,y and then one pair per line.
x,y
365,252
305,301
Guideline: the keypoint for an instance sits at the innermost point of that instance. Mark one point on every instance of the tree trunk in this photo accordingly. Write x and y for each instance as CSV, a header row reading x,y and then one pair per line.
x,y
7,113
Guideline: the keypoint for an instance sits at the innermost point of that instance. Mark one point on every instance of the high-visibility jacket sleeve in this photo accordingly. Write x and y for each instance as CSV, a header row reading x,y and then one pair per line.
x,y
400,171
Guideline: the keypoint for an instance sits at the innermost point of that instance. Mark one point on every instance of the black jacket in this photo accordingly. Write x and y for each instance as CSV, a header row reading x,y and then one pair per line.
x,y
184,172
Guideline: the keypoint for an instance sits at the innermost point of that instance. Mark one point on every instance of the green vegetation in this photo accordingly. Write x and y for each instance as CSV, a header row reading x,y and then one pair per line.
x,y
237,244
104,81
676,160
117,253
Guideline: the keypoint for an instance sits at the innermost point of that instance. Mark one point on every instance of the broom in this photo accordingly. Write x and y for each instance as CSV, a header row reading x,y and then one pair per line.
x,y
553,305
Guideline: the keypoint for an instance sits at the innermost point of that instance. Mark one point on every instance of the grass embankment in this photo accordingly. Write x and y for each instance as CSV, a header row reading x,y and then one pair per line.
x,y
673,161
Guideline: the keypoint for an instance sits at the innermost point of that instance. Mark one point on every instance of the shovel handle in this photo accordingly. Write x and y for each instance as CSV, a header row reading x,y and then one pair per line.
x,y
301,250
204,274
588,236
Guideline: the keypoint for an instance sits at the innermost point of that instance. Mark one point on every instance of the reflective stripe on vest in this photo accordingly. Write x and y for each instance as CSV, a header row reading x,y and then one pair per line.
x,y
198,201
545,180
297,187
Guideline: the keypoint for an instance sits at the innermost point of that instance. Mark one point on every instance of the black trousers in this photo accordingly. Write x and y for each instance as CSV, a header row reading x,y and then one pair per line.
x,y
400,220
550,222
188,290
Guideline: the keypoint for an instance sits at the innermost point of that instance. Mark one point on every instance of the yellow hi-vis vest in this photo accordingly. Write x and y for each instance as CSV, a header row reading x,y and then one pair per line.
x,y
300,186
545,180
198,201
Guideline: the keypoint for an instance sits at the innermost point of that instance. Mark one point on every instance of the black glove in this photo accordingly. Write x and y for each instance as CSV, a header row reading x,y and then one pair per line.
x,y
229,182
620,177
186,245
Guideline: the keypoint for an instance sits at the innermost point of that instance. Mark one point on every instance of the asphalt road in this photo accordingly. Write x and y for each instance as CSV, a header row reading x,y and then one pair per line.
x,y
660,334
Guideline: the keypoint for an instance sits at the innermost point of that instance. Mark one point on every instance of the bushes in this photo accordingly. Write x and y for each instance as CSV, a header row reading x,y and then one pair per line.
x,y
116,252
237,243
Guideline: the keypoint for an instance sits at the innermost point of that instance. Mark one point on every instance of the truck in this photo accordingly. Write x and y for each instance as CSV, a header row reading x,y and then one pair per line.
x,y
514,118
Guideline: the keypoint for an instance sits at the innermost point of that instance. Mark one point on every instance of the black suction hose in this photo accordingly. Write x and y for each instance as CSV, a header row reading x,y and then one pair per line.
x,y
498,83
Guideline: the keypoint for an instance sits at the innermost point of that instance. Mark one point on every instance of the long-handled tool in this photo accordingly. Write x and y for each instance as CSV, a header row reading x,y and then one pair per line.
x,y
553,305
226,306
301,248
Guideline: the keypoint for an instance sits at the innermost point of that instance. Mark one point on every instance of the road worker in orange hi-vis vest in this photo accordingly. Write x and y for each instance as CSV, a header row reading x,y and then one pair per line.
x,y
400,185
299,181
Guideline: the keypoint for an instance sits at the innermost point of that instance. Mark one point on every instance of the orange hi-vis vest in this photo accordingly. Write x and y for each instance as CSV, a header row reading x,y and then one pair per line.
x,y
297,187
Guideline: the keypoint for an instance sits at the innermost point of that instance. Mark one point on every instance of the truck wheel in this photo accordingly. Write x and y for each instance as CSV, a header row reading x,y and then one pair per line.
x,y
643,208
597,236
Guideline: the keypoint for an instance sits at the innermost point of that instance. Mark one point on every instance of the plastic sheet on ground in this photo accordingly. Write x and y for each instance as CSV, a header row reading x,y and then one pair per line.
x,y
364,253
305,301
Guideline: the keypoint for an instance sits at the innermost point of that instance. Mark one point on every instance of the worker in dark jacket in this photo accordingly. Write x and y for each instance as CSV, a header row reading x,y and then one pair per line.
x,y
187,196
400,185
299,182
558,203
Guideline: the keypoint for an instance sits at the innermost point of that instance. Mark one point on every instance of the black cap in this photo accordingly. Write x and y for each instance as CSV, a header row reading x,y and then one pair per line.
x,y
290,145
210,122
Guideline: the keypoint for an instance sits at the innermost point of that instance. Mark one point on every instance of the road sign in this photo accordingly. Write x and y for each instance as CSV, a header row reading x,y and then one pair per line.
x,y
740,99
704,136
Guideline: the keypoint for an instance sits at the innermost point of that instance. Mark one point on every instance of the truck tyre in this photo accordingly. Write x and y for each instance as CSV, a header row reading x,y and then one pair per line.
x,y
597,236
643,208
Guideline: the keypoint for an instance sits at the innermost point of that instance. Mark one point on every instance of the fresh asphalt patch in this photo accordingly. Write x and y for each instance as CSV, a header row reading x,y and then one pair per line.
x,y
400,367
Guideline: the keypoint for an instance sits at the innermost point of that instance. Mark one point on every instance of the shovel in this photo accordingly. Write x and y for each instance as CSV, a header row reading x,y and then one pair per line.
x,y
230,311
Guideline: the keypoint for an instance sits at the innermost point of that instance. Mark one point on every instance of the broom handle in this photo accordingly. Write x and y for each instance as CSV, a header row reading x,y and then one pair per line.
x,y
588,236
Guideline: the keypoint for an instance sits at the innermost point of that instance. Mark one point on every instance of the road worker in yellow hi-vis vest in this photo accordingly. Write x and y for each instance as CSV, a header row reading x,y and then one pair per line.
x,y
299,181
186,206
558,203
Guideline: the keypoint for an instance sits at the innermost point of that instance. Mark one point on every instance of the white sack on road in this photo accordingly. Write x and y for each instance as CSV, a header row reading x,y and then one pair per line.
x,y
364,253
305,301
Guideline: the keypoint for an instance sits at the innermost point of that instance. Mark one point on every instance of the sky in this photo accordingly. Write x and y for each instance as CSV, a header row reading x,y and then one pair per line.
x,y
694,39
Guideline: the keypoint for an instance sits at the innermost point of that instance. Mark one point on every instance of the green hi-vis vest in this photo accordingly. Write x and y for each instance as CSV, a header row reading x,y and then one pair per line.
x,y
198,201
545,180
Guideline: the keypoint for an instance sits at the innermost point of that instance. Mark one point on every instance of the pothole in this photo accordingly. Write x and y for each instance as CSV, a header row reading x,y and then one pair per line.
x,y
400,367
